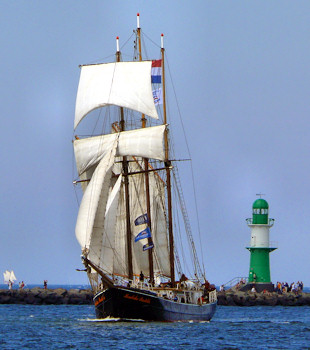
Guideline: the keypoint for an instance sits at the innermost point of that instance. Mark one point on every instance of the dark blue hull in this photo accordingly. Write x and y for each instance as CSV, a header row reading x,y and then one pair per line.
x,y
130,303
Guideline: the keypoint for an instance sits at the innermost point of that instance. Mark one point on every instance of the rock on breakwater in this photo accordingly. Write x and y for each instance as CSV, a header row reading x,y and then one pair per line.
x,y
238,298
40,296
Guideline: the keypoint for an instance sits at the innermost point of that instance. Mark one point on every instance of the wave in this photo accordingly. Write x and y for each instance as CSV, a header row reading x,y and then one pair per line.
x,y
111,319
248,321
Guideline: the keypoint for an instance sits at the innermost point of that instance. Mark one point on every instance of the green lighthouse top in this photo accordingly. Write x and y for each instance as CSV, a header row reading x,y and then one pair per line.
x,y
260,204
260,212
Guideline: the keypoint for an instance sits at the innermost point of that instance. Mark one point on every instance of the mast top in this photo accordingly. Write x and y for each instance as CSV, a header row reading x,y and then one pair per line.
x,y
138,20
162,41
117,44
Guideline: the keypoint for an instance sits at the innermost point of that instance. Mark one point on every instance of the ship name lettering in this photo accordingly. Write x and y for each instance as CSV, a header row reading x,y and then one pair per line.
x,y
135,297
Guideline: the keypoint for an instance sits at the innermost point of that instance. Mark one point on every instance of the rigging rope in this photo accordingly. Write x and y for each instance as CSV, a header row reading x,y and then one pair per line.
x,y
191,167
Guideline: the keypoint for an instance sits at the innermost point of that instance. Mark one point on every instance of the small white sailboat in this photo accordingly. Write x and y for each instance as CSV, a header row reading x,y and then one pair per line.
x,y
9,278
125,222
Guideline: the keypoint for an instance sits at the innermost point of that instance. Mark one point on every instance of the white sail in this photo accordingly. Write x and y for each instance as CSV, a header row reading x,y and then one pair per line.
x,y
9,276
13,278
93,205
6,276
124,84
107,255
158,219
120,257
137,205
146,142
159,225
101,223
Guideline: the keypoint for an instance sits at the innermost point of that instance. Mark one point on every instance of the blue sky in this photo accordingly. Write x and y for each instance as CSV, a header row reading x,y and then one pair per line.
x,y
241,73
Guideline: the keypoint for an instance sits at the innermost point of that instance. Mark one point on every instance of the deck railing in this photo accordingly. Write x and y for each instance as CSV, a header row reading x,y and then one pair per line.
x,y
249,221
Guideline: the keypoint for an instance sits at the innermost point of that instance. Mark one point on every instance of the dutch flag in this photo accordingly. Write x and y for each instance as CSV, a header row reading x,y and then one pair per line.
x,y
156,72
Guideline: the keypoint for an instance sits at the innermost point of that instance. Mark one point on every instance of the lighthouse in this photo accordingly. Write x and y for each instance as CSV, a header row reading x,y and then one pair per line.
x,y
260,247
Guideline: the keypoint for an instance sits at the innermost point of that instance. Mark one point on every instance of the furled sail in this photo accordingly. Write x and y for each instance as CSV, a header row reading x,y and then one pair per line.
x,y
146,142
124,84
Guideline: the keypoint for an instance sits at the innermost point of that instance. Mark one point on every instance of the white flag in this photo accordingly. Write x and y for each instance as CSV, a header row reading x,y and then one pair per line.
x,y
158,96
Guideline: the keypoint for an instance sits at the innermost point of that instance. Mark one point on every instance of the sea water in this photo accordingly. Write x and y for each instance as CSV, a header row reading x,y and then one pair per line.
x,y
75,327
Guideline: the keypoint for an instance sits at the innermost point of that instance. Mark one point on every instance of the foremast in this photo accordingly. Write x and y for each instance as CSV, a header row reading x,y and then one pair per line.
x,y
125,174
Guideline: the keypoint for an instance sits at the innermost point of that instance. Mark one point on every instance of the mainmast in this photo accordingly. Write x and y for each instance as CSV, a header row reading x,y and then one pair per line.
x,y
168,167
146,166
125,172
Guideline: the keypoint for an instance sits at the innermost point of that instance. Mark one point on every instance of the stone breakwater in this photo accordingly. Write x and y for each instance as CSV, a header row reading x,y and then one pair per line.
x,y
238,298
40,296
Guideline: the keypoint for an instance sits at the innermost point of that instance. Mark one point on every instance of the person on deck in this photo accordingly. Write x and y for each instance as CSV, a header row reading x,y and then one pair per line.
x,y
207,285
141,277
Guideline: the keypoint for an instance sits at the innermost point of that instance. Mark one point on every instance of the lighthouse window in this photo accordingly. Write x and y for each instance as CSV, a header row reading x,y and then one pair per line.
x,y
260,211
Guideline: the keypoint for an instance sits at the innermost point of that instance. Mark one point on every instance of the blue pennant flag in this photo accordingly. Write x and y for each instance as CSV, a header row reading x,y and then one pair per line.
x,y
143,234
142,219
148,246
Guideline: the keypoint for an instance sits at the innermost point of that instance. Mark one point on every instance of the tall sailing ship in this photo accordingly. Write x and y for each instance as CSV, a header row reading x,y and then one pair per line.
x,y
125,221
